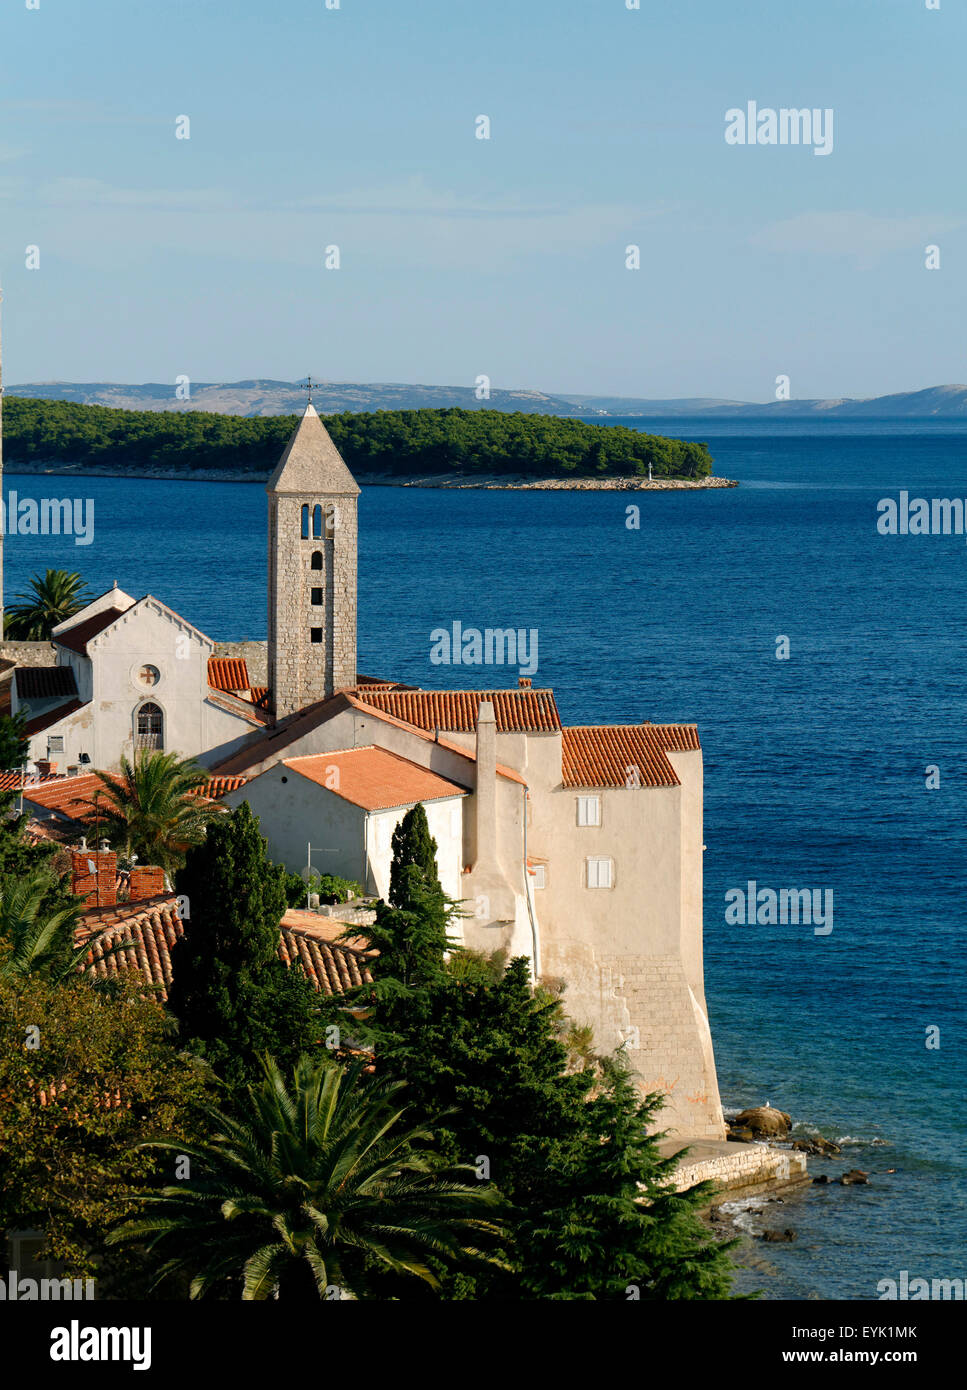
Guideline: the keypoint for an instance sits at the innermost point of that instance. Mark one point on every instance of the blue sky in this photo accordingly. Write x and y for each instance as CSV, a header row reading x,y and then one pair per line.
x,y
355,127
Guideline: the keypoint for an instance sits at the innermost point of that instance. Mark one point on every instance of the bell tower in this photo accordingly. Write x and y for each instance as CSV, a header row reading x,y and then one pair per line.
x,y
312,570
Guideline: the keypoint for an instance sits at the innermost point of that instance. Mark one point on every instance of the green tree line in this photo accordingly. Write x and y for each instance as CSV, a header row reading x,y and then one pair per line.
x,y
385,441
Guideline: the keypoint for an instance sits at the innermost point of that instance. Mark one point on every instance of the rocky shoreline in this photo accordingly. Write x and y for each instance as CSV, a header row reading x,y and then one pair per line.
x,y
771,1128
436,480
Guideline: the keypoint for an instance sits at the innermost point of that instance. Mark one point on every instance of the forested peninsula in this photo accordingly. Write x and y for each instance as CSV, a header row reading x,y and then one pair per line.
x,y
62,436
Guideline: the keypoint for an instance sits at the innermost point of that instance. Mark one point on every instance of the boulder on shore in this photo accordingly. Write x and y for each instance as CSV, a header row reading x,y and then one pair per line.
x,y
764,1121
818,1146
854,1176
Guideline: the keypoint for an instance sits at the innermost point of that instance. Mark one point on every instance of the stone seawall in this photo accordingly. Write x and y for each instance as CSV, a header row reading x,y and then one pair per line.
x,y
738,1169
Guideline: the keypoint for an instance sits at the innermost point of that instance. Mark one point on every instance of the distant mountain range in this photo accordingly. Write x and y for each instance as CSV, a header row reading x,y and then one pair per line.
x,y
287,398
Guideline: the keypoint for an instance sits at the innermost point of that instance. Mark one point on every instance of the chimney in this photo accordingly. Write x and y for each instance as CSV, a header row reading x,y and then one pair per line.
x,y
94,877
485,799
145,881
45,767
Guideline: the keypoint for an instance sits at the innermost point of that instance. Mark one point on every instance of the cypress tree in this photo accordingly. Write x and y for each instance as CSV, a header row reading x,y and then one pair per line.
x,y
413,848
232,996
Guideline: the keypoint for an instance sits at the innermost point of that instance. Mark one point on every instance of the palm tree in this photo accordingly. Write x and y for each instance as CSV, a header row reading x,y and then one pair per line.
x,y
40,940
318,1184
59,595
153,809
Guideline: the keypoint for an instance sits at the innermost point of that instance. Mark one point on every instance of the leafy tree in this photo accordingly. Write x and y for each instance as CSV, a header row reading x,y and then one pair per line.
x,y
410,932
233,997
55,597
567,1148
386,441
609,1224
153,809
21,857
14,741
330,887
313,1185
413,847
37,930
86,1075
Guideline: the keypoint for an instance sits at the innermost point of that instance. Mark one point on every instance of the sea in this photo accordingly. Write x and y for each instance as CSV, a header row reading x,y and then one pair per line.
x,y
825,666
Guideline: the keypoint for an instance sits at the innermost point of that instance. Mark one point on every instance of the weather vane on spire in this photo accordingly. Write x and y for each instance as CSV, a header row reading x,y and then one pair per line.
x,y
309,387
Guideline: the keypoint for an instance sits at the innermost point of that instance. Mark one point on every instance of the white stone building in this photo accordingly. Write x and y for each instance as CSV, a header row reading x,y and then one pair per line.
x,y
129,675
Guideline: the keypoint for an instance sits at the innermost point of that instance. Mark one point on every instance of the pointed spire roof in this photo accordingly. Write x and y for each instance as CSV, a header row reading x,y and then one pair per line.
x,y
311,464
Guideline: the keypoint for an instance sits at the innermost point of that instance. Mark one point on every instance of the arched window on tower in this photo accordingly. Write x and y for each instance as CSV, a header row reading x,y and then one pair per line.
x,y
330,521
316,560
150,733
305,522
317,522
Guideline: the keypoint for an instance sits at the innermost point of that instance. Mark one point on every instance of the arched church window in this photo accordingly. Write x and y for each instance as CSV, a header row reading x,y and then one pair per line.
x,y
330,521
150,728
317,560
305,521
317,522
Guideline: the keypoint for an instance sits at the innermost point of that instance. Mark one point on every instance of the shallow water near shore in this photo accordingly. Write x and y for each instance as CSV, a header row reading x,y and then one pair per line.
x,y
815,767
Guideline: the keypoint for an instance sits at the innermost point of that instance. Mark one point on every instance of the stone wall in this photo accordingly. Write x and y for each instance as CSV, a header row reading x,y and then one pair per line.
x,y
738,1169
29,653
254,654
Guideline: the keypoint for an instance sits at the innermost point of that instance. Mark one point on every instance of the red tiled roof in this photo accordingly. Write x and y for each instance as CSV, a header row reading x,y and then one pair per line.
x,y
516,711
373,778
67,796
140,938
303,721
252,714
13,781
76,638
217,787
132,937
605,755
332,968
53,716
228,673
45,682
260,696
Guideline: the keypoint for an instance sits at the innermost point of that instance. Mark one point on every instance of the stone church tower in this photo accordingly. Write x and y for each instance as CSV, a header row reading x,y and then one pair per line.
x,y
312,570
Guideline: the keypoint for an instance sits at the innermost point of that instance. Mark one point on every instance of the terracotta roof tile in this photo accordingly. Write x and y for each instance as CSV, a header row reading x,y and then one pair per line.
x,y
13,781
302,722
604,755
332,968
132,937
374,778
252,714
516,711
141,937
217,787
67,796
45,682
228,673
77,637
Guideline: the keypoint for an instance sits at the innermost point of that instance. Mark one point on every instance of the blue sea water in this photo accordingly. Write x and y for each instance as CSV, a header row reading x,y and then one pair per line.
x,y
815,767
